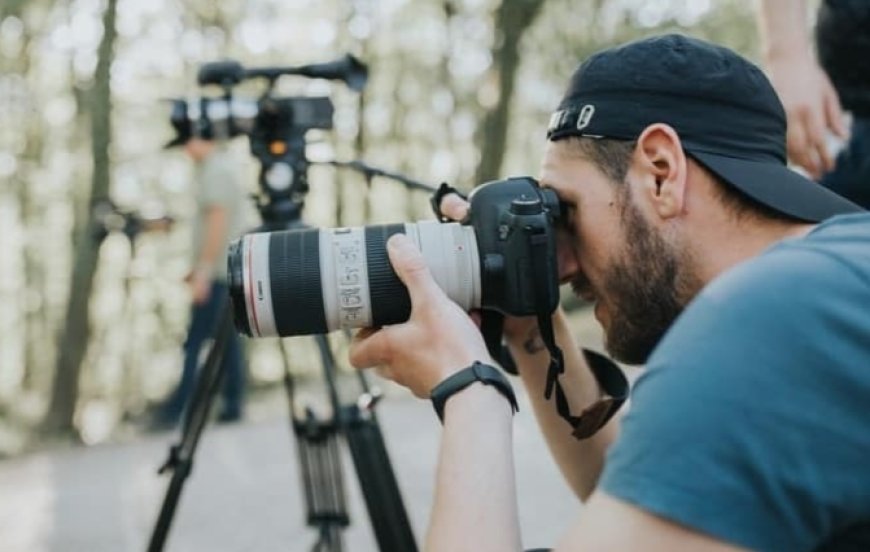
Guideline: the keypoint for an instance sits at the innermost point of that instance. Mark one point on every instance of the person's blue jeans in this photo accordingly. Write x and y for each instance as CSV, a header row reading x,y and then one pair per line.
x,y
203,325
851,175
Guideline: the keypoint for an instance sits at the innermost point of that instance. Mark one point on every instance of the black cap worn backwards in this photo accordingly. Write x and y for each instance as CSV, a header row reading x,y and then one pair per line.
x,y
724,109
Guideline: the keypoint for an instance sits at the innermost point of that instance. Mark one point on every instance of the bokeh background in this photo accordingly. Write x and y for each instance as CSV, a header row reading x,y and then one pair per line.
x,y
459,91
90,331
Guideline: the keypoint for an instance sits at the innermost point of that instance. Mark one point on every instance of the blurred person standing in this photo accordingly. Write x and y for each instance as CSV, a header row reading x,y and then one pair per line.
x,y
218,219
816,92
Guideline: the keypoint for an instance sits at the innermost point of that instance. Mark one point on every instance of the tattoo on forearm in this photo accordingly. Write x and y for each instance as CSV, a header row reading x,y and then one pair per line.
x,y
533,343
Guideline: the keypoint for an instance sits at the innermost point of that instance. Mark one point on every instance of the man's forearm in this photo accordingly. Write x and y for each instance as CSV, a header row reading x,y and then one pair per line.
x,y
580,461
783,28
475,493
214,238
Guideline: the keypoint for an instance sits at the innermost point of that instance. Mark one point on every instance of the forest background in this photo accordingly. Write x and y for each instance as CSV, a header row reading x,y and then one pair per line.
x,y
459,91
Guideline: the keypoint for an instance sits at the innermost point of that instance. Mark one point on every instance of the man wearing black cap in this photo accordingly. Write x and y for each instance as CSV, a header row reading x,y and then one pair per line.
x,y
744,288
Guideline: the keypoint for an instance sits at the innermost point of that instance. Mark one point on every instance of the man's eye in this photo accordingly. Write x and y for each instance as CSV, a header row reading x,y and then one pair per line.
x,y
565,221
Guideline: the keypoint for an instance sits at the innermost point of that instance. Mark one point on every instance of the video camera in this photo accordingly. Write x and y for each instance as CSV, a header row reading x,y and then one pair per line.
x,y
275,126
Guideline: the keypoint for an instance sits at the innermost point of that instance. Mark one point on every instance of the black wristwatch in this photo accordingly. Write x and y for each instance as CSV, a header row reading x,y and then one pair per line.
x,y
478,371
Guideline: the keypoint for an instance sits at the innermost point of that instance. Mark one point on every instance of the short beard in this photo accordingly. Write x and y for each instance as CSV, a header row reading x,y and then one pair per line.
x,y
647,286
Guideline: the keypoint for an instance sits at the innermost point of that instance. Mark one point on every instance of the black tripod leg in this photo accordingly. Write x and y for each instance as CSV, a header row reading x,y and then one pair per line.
x,y
180,459
371,461
327,360
319,458
380,489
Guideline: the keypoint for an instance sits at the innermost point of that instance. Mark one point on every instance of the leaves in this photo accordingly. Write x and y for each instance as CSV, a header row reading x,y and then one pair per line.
x,y
459,91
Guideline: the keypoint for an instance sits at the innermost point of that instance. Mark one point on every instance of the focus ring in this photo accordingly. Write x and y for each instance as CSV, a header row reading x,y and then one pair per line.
x,y
235,280
390,301
294,259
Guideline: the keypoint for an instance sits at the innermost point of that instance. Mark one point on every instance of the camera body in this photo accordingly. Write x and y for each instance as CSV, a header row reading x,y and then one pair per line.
x,y
514,221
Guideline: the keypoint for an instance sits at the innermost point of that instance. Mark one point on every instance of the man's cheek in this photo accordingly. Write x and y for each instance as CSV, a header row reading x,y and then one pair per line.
x,y
566,256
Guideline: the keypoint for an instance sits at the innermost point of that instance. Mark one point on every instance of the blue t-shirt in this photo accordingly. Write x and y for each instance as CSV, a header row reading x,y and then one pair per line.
x,y
752,420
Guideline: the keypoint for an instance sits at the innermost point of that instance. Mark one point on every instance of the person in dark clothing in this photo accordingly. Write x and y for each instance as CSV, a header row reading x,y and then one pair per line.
x,y
815,91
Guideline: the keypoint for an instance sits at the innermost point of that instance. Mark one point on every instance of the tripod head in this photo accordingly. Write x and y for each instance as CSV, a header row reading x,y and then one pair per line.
x,y
276,128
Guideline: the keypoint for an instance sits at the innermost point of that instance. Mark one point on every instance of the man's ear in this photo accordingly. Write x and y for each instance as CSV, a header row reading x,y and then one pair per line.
x,y
660,159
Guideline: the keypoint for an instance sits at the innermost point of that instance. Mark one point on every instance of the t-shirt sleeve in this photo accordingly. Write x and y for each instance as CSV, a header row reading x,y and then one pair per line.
x,y
220,186
750,422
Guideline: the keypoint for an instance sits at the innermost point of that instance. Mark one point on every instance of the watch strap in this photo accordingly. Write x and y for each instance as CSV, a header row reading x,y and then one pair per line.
x,y
478,371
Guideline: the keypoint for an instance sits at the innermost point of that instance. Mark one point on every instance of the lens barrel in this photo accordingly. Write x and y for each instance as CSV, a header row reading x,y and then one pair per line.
x,y
235,281
301,282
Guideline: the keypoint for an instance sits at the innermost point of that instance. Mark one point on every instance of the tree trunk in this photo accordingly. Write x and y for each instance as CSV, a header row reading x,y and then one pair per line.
x,y
74,335
512,19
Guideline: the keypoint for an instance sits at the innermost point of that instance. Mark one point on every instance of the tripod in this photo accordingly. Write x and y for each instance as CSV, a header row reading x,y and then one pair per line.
x,y
317,443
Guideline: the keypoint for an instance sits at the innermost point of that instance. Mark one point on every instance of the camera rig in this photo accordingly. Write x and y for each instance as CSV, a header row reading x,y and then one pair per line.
x,y
275,126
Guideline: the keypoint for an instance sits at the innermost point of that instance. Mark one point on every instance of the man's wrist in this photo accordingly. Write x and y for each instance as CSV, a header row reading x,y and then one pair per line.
x,y
475,400
476,373
788,60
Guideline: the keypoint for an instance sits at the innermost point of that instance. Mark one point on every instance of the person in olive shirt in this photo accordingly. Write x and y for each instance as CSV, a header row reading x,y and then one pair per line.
x,y
218,218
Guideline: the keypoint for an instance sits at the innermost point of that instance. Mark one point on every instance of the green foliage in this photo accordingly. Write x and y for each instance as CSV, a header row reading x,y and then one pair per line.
x,y
434,78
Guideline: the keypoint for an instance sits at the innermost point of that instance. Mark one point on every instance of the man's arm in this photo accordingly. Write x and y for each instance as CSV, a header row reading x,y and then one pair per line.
x,y
608,523
810,101
580,461
475,506
214,237
475,494
475,502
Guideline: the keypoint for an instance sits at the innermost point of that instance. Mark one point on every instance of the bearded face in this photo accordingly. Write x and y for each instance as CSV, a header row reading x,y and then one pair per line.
x,y
642,290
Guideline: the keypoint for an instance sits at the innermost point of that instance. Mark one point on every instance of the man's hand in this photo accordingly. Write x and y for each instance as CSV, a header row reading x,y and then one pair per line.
x,y
199,281
811,104
437,341
812,108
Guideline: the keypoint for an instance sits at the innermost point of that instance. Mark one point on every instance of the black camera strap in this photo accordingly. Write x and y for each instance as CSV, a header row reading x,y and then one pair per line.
x,y
443,190
611,380
544,292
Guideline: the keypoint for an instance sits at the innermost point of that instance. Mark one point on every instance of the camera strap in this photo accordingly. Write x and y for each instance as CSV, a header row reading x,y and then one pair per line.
x,y
443,190
612,385
611,380
544,291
